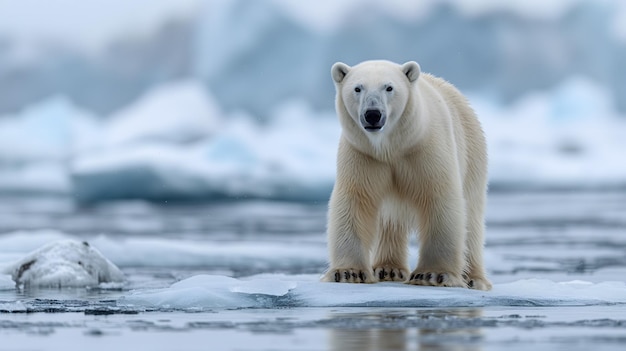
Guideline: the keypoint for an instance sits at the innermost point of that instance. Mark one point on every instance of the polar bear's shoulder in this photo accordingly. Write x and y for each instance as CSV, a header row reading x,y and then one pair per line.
x,y
445,89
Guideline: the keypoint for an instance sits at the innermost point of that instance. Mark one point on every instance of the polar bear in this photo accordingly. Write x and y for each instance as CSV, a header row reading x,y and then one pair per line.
x,y
412,158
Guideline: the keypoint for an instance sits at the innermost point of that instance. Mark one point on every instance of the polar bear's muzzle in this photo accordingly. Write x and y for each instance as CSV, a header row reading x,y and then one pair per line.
x,y
373,120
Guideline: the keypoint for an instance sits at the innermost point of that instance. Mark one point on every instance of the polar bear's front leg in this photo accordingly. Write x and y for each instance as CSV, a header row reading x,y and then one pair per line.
x,y
351,232
442,244
353,215
390,260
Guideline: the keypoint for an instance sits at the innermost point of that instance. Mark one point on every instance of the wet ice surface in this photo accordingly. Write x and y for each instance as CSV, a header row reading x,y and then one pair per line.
x,y
562,256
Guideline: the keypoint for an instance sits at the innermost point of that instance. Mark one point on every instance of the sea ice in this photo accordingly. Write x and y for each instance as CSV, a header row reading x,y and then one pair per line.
x,y
212,291
277,290
64,263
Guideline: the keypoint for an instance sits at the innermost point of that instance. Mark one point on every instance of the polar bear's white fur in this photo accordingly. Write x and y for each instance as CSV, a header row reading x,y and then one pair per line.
x,y
412,158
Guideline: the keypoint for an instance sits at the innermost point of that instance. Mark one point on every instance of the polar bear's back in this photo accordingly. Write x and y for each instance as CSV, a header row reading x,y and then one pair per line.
x,y
471,143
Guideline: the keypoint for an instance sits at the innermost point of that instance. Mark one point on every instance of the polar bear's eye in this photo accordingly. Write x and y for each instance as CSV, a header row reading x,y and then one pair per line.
x,y
389,88
357,90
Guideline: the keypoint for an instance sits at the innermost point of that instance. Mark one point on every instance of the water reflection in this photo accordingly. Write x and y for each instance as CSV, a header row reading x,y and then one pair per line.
x,y
421,329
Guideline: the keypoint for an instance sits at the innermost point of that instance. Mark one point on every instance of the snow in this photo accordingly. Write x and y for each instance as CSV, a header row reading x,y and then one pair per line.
x,y
271,291
65,263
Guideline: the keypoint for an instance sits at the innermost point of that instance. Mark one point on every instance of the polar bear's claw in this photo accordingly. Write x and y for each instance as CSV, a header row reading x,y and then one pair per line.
x,y
478,283
393,274
436,279
347,275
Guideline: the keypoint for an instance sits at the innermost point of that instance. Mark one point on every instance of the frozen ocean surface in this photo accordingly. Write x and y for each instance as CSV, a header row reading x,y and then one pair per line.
x,y
245,275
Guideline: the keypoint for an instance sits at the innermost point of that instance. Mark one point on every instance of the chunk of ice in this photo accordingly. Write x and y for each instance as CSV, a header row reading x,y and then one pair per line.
x,y
64,263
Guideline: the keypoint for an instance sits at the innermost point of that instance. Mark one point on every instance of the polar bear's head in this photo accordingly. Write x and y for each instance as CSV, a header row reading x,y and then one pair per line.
x,y
374,93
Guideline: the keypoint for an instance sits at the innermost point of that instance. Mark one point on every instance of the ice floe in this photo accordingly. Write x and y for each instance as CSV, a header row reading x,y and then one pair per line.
x,y
67,262
64,263
270,291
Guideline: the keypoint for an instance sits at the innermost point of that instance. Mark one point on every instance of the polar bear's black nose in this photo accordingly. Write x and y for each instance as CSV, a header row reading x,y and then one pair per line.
x,y
373,117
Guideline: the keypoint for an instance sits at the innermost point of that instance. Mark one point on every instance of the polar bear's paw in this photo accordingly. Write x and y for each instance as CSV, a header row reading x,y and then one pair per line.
x,y
436,279
349,275
478,283
390,273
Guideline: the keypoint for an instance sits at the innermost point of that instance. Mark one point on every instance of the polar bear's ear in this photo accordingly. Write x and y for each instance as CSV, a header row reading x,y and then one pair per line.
x,y
339,71
412,70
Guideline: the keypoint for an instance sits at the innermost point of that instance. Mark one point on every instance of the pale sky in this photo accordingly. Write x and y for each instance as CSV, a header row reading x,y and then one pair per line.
x,y
85,23
91,24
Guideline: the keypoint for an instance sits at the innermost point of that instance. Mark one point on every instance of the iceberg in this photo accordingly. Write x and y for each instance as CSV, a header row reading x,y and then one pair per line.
x,y
566,137
36,144
177,143
49,130
290,157
180,112
187,126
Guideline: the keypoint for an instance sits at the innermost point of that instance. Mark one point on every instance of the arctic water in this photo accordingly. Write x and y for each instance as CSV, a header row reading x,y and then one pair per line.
x,y
245,276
